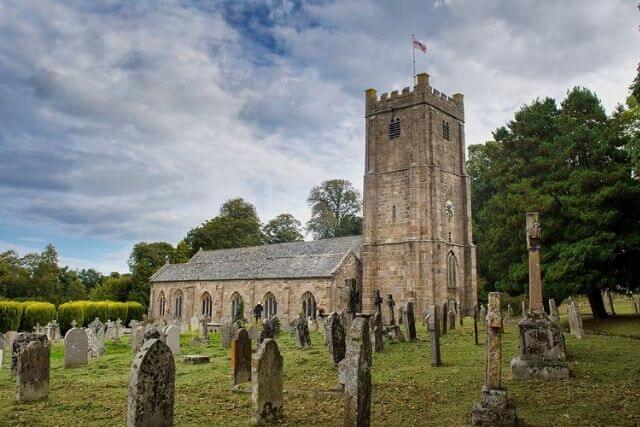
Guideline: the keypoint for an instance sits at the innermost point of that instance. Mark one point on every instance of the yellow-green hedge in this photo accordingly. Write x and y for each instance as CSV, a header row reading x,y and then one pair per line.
x,y
70,311
135,311
35,313
99,309
10,315
118,310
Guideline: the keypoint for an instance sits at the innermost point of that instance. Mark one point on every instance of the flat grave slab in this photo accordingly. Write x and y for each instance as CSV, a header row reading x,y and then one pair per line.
x,y
196,359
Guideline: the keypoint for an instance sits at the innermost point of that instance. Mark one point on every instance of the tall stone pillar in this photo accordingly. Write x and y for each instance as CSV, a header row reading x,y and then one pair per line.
x,y
542,349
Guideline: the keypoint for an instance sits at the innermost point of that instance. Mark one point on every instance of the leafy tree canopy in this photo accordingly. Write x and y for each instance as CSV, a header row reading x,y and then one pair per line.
x,y
283,228
335,208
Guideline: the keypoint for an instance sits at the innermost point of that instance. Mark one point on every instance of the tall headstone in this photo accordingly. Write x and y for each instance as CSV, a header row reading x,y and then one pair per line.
x,y
110,331
451,320
172,338
32,367
434,334
268,330
610,298
391,303
523,309
409,321
95,335
228,331
445,317
302,335
494,409
266,380
542,349
152,386
336,339
483,314
378,332
575,320
203,326
356,372
460,314
377,301
75,348
635,305
240,358
554,316
118,331
476,314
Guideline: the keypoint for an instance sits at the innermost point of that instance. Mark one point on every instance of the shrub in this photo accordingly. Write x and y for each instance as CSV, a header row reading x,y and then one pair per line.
x,y
118,310
99,309
70,311
10,315
37,313
135,311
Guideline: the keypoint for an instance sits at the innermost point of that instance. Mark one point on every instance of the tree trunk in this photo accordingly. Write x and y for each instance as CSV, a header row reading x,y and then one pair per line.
x,y
597,304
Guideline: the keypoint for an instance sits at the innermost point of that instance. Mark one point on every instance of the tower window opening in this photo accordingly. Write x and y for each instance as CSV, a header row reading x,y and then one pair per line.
x,y
446,132
394,128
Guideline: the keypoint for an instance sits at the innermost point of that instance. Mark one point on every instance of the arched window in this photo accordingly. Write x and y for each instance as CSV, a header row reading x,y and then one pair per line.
x,y
452,274
309,305
207,304
237,307
270,305
162,304
177,304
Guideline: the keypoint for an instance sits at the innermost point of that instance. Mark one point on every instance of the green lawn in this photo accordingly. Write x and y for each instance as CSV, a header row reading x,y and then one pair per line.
x,y
406,389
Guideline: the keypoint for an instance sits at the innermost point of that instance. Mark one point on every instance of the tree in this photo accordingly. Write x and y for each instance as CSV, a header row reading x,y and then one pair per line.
x,y
14,276
181,253
113,288
90,278
236,226
146,259
283,228
71,286
335,207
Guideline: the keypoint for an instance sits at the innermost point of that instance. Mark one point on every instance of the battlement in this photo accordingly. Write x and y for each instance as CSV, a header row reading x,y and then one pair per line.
x,y
420,94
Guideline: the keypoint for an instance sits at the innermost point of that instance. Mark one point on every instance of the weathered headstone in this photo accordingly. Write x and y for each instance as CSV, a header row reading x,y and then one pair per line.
x,y
228,331
302,335
610,298
336,338
378,332
509,312
445,317
268,330
95,336
240,358
451,320
172,338
253,332
117,331
110,330
9,337
203,326
523,309
542,349
494,409
152,386
400,315
151,333
2,344
137,338
196,359
409,321
391,303
475,324
483,314
355,371
75,348
266,379
32,366
575,321
460,312
434,335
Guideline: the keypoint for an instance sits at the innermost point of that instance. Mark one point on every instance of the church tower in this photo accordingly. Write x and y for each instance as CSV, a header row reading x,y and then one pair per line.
x,y
417,204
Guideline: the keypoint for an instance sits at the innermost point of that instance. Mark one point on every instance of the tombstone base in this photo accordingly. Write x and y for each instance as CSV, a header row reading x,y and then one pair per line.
x,y
494,410
548,370
394,333
196,359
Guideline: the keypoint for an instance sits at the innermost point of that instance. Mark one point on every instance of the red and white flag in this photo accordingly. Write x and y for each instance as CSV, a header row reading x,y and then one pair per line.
x,y
419,45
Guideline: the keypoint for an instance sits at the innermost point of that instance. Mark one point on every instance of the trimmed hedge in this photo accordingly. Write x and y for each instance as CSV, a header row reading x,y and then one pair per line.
x,y
10,315
99,309
118,310
70,311
35,313
135,311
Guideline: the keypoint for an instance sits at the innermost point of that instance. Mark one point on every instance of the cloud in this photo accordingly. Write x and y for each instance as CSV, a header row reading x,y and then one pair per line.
x,y
129,121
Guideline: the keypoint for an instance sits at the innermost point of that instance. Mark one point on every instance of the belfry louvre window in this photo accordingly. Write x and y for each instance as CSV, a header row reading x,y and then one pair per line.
x,y
446,134
394,128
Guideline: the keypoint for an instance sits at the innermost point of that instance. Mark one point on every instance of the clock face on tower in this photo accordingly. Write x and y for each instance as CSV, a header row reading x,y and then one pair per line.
x,y
449,208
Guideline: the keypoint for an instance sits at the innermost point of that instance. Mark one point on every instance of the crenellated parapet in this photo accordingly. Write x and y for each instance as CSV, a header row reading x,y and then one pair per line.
x,y
422,93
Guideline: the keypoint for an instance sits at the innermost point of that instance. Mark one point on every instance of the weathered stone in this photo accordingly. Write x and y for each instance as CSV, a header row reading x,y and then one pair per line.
x,y
391,303
9,337
409,321
302,335
610,298
445,318
76,348
172,338
554,316
575,321
523,309
336,339
228,331
533,245
355,371
137,338
378,332
95,336
203,326
253,332
268,330
451,320
460,313
32,365
434,335
196,359
267,382
483,314
152,386
240,358
110,330
394,333
151,333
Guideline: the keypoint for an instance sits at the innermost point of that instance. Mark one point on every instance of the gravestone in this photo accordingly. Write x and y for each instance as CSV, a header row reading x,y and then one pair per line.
x,y
451,320
554,316
117,331
523,309
445,317
494,409
336,338
194,324
76,350
152,386
32,354
378,332
95,336
434,334
2,344
460,314
303,337
610,298
509,312
266,381
137,338
575,320
355,371
228,331
110,330
483,314
635,304
268,330
203,326
151,333
391,303
240,358
9,337
400,315
172,338
253,332
196,359
542,348
409,321
475,324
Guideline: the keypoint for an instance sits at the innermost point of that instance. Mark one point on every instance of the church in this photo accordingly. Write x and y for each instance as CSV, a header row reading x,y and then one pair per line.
x,y
416,245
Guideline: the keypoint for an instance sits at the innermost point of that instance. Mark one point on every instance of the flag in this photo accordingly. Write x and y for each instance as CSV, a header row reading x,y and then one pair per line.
x,y
419,45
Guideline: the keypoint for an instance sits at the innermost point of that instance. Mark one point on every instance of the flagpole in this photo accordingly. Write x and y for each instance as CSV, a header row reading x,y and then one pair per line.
x,y
413,51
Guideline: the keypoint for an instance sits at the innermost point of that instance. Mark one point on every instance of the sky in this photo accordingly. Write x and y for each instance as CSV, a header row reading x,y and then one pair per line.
x,y
130,121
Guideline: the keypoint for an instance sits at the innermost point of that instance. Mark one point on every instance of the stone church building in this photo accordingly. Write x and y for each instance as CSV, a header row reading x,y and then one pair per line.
x,y
416,245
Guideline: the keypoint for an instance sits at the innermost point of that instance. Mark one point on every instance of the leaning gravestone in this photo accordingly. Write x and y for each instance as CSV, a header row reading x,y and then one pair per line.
x,y
575,321
268,330
266,379
137,338
355,371
228,331
152,386
32,365
172,338
554,316
434,335
241,358
95,336
378,332
336,338
75,348
303,338
409,321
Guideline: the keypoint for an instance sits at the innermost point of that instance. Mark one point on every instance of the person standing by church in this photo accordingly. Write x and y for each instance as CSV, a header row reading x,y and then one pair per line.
x,y
257,311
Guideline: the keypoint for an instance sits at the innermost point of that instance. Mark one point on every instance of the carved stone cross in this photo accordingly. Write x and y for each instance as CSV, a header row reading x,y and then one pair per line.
x,y
377,300
494,336
392,316
533,245
73,323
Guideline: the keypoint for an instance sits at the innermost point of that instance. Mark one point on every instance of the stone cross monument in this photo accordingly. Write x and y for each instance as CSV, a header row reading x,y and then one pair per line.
x,y
533,246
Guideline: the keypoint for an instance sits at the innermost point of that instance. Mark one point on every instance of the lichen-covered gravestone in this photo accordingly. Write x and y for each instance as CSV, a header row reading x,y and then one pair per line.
x,y
152,386
378,332
409,321
228,331
336,339
303,337
32,365
266,379
75,348
95,335
434,335
172,338
554,316
268,330
355,370
575,321
241,358
451,320
137,338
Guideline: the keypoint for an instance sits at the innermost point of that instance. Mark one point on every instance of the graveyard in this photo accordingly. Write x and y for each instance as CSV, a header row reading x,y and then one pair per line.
x,y
406,389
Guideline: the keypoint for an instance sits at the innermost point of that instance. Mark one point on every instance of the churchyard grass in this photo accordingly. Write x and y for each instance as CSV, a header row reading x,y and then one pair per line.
x,y
406,389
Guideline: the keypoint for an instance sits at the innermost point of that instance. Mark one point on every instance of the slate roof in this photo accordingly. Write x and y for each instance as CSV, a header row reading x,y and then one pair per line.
x,y
318,258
